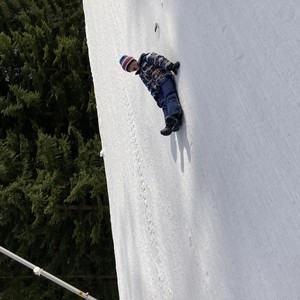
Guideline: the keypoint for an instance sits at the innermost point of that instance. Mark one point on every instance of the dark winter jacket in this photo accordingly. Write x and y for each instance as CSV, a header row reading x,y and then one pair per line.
x,y
153,71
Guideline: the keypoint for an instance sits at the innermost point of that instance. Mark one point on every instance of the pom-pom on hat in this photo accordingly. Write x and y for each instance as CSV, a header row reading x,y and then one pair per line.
x,y
125,61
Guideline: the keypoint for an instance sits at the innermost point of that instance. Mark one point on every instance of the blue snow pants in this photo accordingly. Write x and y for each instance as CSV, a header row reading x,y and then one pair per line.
x,y
168,98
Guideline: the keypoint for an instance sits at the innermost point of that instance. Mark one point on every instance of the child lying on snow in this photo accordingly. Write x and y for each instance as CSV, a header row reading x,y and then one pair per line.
x,y
156,73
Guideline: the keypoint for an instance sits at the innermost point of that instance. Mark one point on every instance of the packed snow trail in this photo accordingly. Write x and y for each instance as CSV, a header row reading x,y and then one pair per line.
x,y
211,212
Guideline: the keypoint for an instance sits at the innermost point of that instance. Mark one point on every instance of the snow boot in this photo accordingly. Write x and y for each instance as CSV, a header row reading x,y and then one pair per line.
x,y
172,124
166,131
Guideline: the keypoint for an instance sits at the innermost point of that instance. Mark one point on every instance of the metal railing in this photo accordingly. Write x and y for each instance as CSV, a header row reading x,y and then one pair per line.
x,y
40,272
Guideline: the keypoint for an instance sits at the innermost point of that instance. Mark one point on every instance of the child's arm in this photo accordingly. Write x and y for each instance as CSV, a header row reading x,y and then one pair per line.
x,y
161,62
157,60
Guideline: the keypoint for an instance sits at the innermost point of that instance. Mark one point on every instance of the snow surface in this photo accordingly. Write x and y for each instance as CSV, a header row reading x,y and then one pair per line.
x,y
211,212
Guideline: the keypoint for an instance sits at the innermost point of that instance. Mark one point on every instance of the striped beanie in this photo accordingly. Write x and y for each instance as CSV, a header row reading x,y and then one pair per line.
x,y
125,61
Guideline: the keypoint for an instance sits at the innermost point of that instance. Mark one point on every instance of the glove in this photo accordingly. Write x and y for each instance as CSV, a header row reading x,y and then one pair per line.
x,y
174,67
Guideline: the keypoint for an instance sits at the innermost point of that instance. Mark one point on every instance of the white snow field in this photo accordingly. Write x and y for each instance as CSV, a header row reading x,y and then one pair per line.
x,y
211,212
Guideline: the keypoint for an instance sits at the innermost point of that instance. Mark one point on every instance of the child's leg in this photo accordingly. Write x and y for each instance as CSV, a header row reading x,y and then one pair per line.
x,y
171,106
170,102
163,103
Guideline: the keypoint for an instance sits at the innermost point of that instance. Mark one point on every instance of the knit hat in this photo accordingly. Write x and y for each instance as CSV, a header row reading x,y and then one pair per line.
x,y
125,61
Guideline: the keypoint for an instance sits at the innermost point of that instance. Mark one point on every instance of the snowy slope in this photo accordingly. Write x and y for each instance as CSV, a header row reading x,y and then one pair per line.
x,y
213,211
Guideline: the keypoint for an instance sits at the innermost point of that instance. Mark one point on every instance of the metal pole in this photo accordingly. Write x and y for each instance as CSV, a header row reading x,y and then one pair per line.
x,y
38,271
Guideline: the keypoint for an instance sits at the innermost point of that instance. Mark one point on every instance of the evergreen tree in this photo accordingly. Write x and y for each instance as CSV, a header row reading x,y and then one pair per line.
x,y
53,200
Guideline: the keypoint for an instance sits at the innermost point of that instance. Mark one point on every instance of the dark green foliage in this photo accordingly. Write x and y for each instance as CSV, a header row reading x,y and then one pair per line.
x,y
54,208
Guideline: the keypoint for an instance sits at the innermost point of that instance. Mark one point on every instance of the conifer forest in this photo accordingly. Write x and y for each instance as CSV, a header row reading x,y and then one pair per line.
x,y
54,209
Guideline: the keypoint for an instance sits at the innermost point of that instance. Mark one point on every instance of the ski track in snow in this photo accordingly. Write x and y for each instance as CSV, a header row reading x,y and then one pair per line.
x,y
211,212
